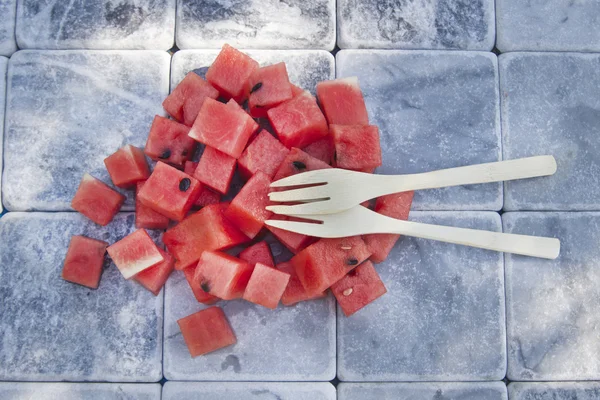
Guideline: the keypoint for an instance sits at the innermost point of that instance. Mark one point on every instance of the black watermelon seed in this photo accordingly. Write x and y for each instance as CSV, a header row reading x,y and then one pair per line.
x,y
256,87
352,261
245,104
299,165
205,286
184,184
166,154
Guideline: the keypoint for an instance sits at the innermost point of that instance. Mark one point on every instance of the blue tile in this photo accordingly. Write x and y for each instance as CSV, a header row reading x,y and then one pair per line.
x,y
248,390
554,391
8,44
78,391
3,66
434,391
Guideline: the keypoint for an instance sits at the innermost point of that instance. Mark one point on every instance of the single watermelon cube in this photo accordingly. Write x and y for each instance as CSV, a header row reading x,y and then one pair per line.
x,y
170,192
230,72
222,275
215,169
200,295
206,229
84,261
206,331
127,166
247,210
169,142
325,262
298,122
187,98
342,102
266,286
135,253
264,153
358,288
96,200
294,242
154,278
397,206
207,195
297,162
296,90
356,147
322,149
226,127
145,217
294,291
258,253
268,87
189,167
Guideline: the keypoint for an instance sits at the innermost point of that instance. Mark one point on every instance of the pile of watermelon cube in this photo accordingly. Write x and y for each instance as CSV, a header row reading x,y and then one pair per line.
x,y
183,197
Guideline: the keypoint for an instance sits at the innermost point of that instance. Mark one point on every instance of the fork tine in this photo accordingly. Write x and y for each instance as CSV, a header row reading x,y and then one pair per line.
x,y
304,228
303,194
317,207
305,178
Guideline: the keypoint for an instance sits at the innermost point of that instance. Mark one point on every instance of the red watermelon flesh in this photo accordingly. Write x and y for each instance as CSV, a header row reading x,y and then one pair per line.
x,y
296,90
298,122
322,149
230,72
207,195
215,169
325,262
264,153
297,162
295,242
342,102
206,229
226,127
396,206
206,331
247,210
356,147
268,86
358,288
189,167
200,295
84,261
266,286
127,166
96,200
222,275
145,217
154,278
168,141
258,253
294,291
187,98
170,192
135,253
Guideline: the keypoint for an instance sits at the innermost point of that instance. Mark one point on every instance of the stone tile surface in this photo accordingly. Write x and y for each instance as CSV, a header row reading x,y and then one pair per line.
x,y
54,330
78,391
8,9
425,391
551,105
67,111
248,390
434,110
262,24
554,391
103,24
552,305
442,318
3,67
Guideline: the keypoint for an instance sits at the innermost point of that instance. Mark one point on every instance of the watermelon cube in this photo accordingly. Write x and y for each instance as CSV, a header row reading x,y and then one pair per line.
x,y
127,166
396,206
342,102
264,153
325,262
169,142
169,192
356,147
207,195
154,278
266,286
222,275
298,122
200,295
206,331
247,210
296,162
187,98
358,288
258,253
230,72
294,291
135,253
84,261
226,127
206,229
322,149
295,242
96,200
189,167
296,90
268,87
215,169
145,217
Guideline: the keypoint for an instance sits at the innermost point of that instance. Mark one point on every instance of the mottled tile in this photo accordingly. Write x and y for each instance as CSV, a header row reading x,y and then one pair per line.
x,y
422,391
8,44
554,391
551,105
68,110
259,24
416,24
550,25
552,305
442,318
248,390
103,24
3,66
78,391
54,330
434,110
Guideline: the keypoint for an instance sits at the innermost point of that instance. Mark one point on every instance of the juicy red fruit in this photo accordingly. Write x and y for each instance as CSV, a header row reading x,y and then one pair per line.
x,y
154,278
135,253
294,242
222,275
96,200
169,142
266,286
264,153
206,331
294,291
200,295
297,162
145,217
358,288
127,166
258,253
187,98
356,147
230,71
84,261
215,169
247,210
322,149
342,102
268,87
